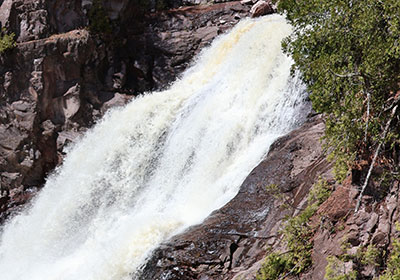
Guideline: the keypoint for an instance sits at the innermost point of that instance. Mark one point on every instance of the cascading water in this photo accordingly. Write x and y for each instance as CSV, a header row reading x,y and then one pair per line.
x,y
159,165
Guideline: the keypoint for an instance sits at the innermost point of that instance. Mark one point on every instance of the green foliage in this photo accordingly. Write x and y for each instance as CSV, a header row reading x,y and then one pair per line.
x,y
274,190
297,233
319,192
392,271
7,41
336,270
366,256
99,22
144,4
275,265
147,5
370,256
349,55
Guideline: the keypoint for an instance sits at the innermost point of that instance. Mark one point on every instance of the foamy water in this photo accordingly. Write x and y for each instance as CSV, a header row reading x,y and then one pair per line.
x,y
159,165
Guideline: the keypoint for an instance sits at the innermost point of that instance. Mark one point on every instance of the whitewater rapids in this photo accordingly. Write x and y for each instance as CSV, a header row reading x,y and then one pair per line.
x,y
162,163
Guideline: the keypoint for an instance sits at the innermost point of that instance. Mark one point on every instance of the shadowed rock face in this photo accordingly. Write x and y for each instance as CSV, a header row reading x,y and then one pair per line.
x,y
233,239
60,79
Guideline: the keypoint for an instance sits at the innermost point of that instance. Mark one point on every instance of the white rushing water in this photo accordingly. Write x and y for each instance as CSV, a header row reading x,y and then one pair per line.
x,y
162,163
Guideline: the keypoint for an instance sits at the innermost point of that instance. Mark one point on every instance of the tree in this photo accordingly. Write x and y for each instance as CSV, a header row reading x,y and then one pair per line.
x,y
348,52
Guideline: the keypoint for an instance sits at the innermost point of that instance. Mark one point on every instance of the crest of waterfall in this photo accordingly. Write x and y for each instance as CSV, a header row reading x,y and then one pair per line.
x,y
160,164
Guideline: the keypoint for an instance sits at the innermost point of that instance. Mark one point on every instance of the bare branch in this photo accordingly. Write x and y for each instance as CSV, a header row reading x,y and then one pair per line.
x,y
368,111
374,158
348,75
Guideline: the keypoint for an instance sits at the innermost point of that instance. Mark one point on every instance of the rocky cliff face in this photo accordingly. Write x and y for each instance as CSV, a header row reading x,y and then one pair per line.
x,y
61,78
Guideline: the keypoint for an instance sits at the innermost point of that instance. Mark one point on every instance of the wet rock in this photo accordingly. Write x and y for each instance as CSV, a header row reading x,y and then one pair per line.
x,y
232,240
117,101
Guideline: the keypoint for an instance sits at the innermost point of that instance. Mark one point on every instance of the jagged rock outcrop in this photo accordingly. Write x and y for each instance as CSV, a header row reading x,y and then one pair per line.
x,y
232,241
61,78
340,231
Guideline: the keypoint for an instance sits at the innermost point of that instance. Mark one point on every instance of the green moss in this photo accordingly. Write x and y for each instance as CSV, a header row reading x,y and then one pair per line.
x,y
7,41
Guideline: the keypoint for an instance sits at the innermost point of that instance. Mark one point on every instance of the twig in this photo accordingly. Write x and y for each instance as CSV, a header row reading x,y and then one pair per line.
x,y
348,75
290,272
368,110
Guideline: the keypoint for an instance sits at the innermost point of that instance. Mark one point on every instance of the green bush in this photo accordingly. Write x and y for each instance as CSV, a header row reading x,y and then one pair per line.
x,y
7,41
274,266
370,256
297,233
349,55
336,270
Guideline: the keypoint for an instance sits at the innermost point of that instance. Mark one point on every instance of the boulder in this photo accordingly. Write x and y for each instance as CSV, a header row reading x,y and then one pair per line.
x,y
261,8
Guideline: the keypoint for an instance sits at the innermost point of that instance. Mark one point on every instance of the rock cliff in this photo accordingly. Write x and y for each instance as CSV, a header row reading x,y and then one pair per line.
x,y
61,78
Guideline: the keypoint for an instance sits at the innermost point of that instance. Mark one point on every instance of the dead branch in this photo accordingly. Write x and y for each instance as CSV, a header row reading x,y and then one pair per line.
x,y
375,157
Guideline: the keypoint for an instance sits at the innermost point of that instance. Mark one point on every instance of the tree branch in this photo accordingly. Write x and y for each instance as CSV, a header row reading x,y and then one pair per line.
x,y
375,157
348,75
368,111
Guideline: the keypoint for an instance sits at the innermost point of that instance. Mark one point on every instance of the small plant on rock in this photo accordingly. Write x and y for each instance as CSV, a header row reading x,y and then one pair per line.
x,y
392,271
7,41
297,233
337,270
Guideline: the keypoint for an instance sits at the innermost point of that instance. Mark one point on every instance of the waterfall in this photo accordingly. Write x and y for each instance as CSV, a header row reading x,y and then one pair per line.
x,y
162,163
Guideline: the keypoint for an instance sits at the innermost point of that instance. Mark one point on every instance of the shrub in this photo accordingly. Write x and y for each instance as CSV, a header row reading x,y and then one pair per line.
x,y
297,233
336,270
275,265
7,41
